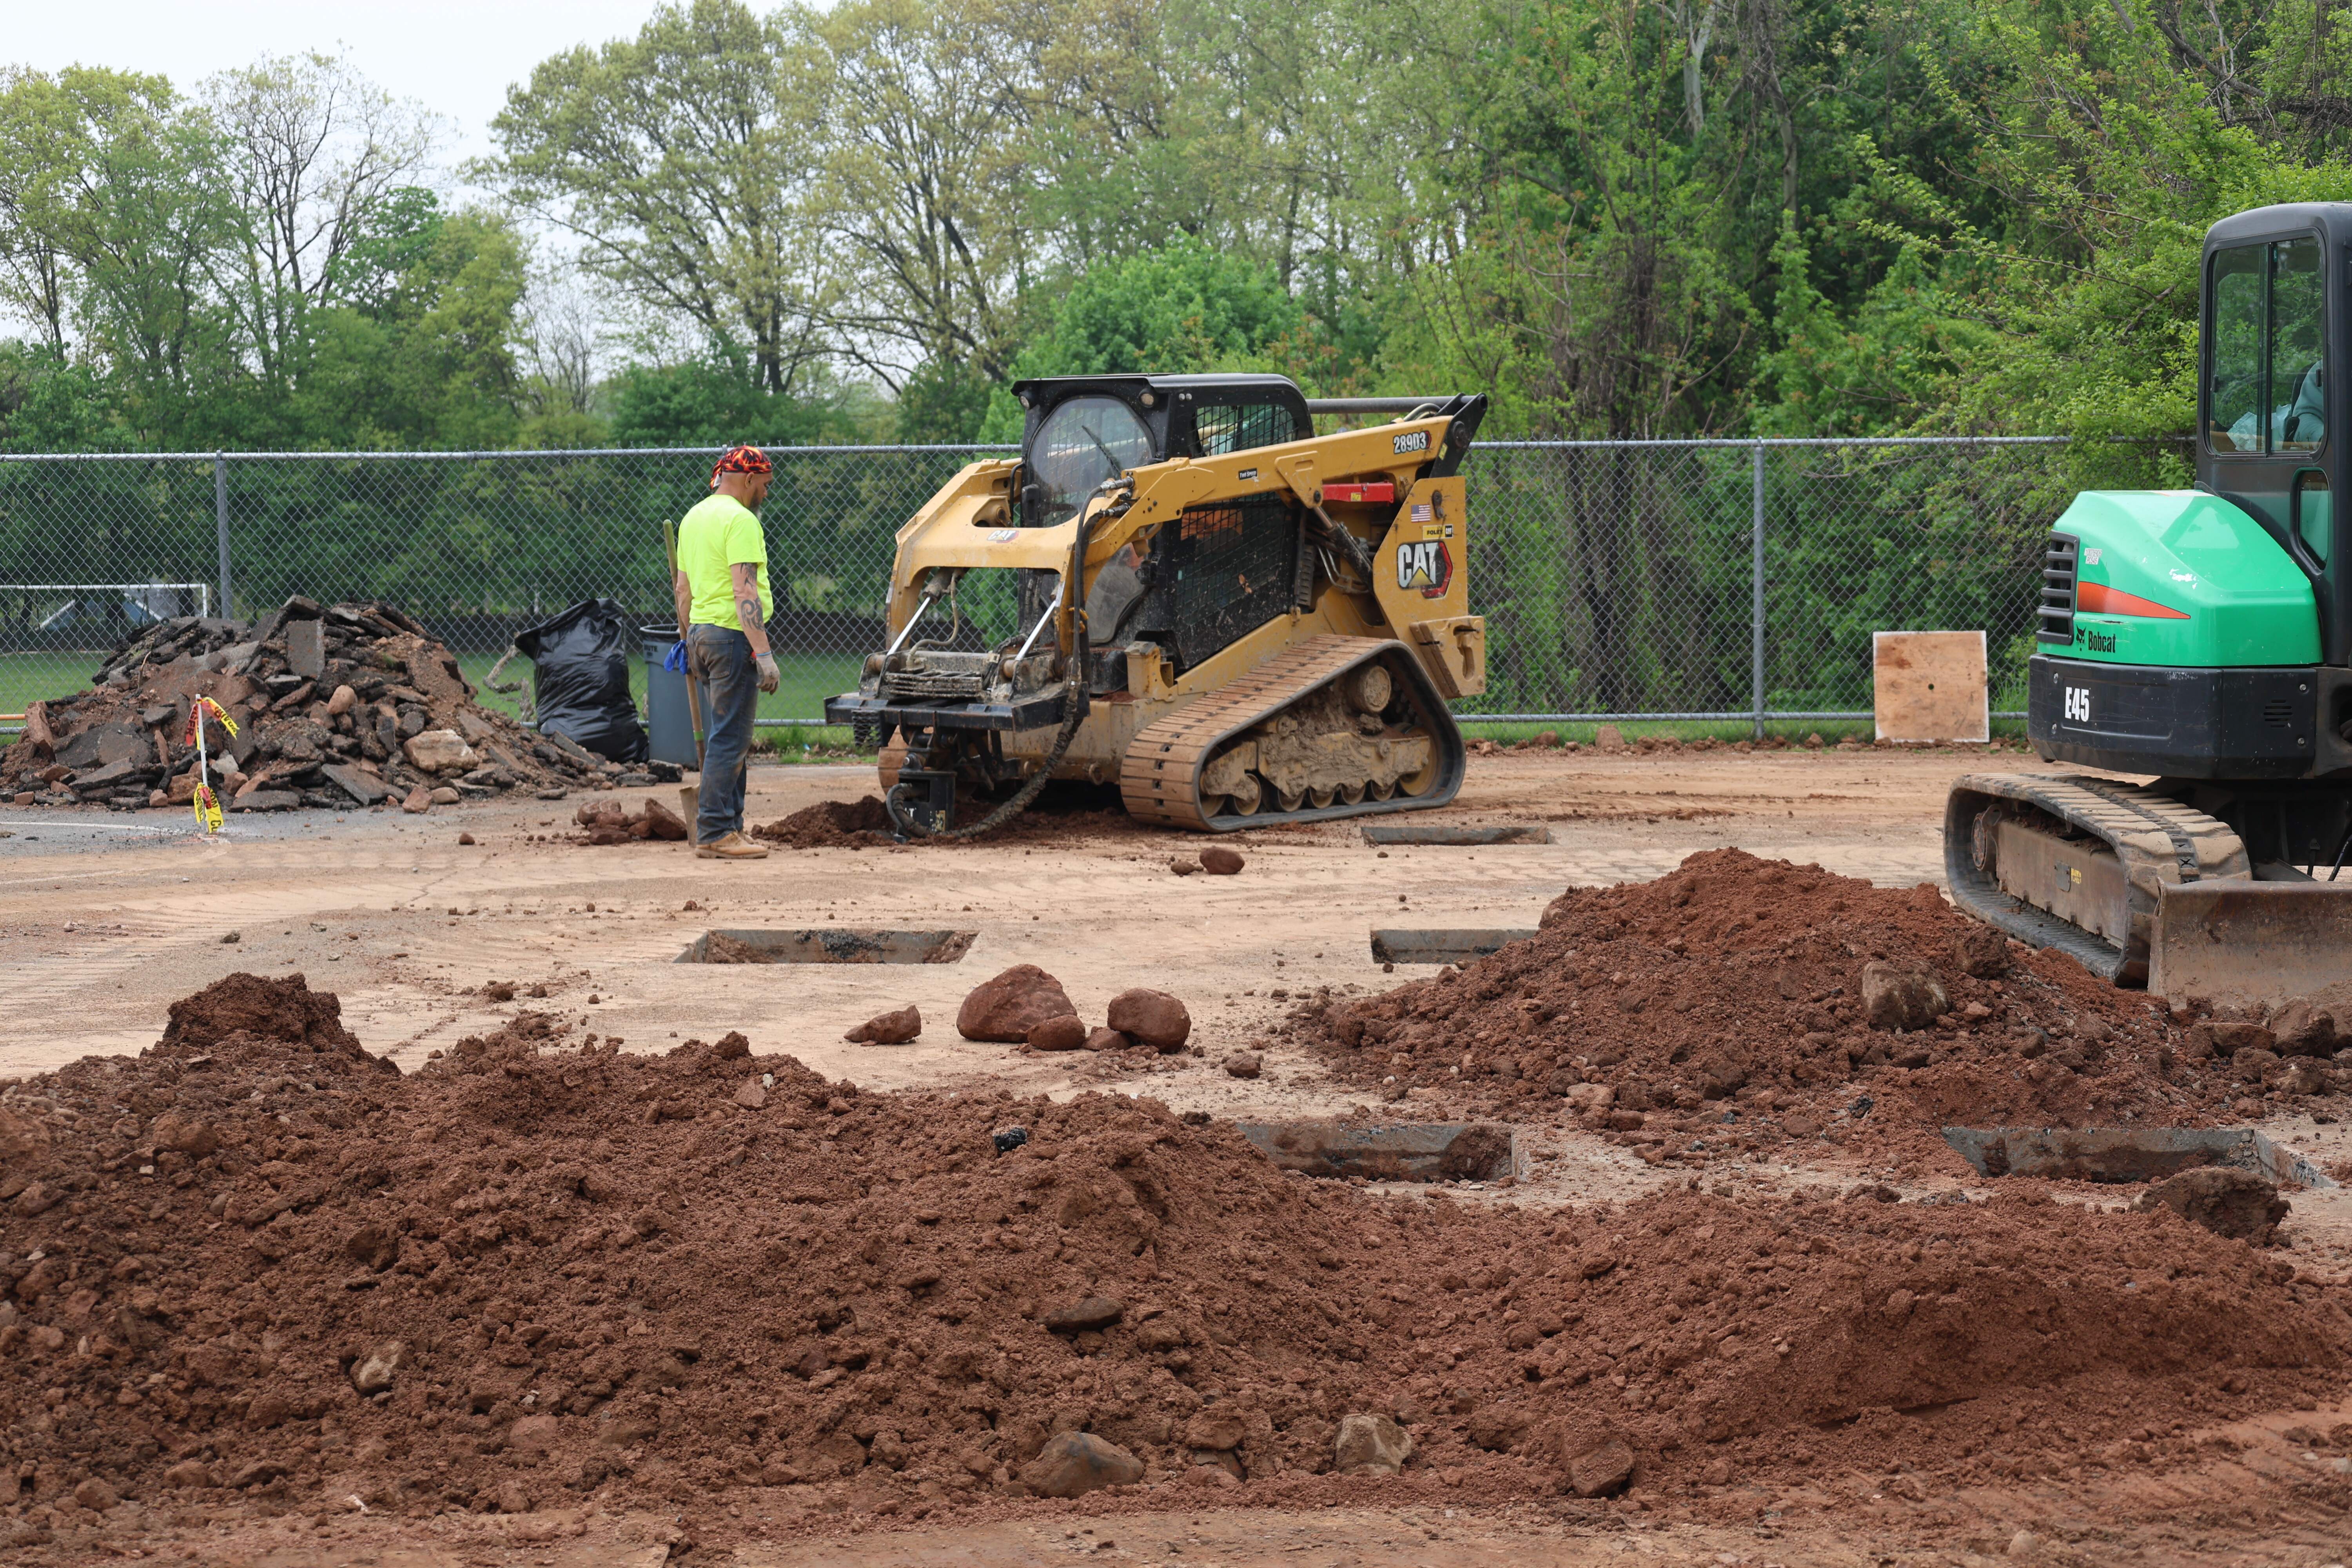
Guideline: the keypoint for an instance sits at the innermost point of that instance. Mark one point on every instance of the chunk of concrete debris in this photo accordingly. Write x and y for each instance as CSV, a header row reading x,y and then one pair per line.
x,y
441,751
1062,1034
2235,1203
1075,1463
1894,997
894,1028
1245,1064
1004,1010
1370,1445
1154,1017
1219,862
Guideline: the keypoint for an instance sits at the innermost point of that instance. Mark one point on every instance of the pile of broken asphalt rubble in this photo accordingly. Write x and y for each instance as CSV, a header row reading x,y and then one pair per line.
x,y
335,706
257,1269
1740,1006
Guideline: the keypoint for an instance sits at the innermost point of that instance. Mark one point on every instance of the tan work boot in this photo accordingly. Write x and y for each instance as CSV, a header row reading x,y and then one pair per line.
x,y
732,846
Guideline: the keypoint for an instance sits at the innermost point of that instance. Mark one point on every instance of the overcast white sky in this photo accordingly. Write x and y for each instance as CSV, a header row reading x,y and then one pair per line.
x,y
456,57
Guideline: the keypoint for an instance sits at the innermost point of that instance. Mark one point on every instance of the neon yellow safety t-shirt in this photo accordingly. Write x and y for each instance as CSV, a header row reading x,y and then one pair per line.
x,y
720,532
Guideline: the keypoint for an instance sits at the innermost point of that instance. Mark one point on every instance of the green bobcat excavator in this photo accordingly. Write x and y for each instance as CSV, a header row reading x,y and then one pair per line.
x,y
2203,637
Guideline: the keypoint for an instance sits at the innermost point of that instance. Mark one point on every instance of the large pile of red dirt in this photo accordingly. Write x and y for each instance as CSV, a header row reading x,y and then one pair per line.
x,y
537,1271
1722,1008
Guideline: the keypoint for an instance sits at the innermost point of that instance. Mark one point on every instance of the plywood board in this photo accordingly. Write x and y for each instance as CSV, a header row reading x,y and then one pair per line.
x,y
1930,686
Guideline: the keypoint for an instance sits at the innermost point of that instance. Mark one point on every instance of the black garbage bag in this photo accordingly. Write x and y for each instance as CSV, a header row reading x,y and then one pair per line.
x,y
579,678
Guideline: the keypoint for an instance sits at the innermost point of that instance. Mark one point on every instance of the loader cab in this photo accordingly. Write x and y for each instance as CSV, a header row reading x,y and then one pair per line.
x,y
1080,430
2274,390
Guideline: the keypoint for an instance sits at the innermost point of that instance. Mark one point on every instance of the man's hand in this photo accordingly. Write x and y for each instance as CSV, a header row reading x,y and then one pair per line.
x,y
768,678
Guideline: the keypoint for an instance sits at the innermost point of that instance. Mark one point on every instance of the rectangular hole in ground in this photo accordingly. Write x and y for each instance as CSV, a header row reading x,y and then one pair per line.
x,y
828,944
1389,1152
2127,1154
1462,945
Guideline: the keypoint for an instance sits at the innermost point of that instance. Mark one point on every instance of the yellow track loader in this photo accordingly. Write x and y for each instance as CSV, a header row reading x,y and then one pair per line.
x,y
1179,587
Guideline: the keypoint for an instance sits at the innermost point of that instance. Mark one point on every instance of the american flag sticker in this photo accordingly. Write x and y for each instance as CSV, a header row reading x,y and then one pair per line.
x,y
1420,512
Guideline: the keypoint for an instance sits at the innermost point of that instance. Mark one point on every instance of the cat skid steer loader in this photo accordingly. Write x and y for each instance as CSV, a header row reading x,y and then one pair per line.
x,y
1178,586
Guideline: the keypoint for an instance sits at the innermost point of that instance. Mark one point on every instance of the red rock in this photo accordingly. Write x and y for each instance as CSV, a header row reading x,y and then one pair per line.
x,y
1075,1463
894,1028
1602,1468
1154,1017
1106,1039
1184,866
1062,1034
1005,1008
419,801
1219,862
183,1135
1894,998
1245,1064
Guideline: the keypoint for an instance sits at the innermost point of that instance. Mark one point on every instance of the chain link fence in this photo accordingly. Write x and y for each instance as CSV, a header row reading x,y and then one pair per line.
x,y
1674,580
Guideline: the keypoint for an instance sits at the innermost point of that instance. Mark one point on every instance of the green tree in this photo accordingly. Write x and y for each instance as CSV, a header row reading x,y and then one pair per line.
x,y
674,160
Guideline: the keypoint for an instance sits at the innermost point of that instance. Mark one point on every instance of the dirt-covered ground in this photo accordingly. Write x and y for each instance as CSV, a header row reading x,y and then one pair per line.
x,y
504,1237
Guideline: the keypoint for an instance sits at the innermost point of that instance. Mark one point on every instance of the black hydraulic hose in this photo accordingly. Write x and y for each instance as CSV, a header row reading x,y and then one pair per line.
x,y
2340,850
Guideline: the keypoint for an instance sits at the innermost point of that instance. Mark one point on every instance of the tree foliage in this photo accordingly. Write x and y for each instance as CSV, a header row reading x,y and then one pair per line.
x,y
1639,218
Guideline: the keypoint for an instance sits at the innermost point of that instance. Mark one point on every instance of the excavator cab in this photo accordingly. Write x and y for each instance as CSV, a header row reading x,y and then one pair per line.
x,y
2200,638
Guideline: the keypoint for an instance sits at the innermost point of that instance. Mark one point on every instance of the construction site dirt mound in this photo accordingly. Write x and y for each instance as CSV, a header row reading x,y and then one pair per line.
x,y
861,824
1742,1005
281,1013
540,1270
335,706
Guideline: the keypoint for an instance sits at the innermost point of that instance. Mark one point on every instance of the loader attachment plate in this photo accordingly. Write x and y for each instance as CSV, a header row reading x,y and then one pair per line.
x,y
2252,941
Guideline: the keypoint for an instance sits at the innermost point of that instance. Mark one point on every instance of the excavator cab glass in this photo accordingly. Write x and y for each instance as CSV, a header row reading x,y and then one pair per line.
x,y
1084,441
2266,378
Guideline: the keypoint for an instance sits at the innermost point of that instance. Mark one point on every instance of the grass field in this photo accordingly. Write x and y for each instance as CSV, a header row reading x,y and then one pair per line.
x,y
809,678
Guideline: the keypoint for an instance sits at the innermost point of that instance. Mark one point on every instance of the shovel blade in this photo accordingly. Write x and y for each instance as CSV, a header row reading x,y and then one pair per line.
x,y
2257,944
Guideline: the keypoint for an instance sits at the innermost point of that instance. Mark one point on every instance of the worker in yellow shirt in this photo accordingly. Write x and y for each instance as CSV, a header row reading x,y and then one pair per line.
x,y
724,605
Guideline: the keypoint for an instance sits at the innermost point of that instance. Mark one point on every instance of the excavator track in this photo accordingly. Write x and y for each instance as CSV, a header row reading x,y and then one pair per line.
x,y
2082,864
1163,770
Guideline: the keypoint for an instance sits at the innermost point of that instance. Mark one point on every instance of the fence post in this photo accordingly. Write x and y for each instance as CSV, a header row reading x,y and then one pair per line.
x,y
220,533
1756,586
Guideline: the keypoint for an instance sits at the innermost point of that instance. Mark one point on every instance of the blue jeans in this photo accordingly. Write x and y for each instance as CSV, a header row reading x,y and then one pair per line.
x,y
720,658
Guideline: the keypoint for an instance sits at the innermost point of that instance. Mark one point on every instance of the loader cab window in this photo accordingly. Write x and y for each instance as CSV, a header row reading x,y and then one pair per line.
x,y
1082,442
1239,427
2266,387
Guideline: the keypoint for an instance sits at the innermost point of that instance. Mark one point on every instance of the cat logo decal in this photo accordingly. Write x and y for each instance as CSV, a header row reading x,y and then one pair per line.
x,y
1426,565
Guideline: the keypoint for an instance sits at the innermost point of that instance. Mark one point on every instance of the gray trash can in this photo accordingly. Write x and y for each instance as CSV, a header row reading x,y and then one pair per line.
x,y
670,723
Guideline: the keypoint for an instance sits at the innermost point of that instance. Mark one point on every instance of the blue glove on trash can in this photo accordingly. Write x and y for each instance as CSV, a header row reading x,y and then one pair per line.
x,y
676,660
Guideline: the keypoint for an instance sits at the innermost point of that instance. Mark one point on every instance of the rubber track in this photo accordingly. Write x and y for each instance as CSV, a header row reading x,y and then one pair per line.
x,y
1160,775
2157,838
